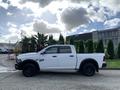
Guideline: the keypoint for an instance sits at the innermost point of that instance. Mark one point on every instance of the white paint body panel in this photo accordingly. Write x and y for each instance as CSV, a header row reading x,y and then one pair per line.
x,y
62,61
98,57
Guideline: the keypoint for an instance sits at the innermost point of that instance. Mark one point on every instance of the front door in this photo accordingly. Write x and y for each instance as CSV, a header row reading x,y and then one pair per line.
x,y
49,60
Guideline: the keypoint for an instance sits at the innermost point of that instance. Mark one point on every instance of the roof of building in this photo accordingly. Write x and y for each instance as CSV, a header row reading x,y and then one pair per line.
x,y
84,36
88,35
109,30
7,44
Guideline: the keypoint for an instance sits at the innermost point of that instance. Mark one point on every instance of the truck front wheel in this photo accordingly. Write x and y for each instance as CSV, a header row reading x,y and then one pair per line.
x,y
29,70
88,69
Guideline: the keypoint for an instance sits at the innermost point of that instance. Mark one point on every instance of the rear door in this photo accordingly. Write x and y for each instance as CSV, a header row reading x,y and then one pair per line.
x,y
66,58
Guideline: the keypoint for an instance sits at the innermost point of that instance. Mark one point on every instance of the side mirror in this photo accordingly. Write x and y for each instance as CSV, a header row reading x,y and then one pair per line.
x,y
42,53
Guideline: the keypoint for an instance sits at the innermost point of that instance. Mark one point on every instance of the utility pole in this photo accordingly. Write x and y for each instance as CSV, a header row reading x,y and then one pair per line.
x,y
9,51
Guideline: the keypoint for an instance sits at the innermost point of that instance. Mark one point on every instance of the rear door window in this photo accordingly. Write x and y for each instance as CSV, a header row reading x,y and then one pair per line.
x,y
65,49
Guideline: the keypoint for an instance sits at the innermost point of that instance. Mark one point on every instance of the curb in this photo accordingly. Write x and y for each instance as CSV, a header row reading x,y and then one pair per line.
x,y
110,69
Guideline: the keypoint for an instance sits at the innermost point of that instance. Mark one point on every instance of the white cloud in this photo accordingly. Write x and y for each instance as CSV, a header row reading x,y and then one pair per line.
x,y
9,14
45,28
112,22
4,5
97,15
49,17
63,16
57,6
16,33
92,30
13,35
34,7
74,16
27,30
113,5
42,3
9,24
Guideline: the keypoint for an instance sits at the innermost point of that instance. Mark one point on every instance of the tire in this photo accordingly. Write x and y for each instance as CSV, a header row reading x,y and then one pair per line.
x,y
29,70
88,69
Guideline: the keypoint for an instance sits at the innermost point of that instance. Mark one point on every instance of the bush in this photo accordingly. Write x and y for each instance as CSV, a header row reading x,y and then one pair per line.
x,y
110,49
118,51
89,46
61,39
76,44
81,47
100,47
71,41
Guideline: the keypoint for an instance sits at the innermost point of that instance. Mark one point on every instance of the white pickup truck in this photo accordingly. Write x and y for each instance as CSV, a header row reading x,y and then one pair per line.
x,y
60,57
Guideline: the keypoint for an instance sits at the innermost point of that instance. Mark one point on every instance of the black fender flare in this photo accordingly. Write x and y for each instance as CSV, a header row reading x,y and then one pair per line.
x,y
31,61
89,60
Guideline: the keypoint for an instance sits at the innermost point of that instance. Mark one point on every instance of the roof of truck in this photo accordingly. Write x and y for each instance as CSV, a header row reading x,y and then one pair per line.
x,y
61,45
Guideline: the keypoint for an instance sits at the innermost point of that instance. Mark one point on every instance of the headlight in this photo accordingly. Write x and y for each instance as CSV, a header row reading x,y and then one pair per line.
x,y
18,60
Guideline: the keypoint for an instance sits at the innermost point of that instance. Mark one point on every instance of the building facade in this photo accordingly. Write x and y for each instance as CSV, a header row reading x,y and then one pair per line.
x,y
106,35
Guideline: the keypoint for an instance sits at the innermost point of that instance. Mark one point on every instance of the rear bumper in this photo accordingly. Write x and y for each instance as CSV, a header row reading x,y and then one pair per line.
x,y
104,65
18,66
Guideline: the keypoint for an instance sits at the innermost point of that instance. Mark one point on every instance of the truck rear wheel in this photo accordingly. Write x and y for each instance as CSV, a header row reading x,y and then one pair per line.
x,y
29,70
88,69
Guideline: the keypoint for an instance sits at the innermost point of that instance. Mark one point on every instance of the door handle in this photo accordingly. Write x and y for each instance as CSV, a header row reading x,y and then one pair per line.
x,y
71,56
41,60
54,56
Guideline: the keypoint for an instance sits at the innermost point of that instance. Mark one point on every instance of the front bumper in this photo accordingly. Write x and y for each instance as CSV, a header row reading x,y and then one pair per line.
x,y
18,66
104,65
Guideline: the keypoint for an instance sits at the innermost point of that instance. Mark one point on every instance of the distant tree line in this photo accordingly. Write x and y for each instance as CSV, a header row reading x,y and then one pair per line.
x,y
39,41
89,46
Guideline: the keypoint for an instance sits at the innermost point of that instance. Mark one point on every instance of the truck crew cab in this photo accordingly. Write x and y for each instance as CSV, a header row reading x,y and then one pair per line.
x,y
60,57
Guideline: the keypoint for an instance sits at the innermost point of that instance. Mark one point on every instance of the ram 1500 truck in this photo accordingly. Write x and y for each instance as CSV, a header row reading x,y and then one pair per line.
x,y
60,57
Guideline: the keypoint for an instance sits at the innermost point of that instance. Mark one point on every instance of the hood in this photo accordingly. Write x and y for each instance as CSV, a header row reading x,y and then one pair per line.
x,y
27,55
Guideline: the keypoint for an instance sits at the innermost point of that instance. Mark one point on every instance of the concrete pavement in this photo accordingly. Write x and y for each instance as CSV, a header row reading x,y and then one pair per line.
x,y
104,80
5,64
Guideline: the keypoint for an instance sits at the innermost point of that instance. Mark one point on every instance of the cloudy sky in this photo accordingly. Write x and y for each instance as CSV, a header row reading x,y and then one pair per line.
x,y
27,17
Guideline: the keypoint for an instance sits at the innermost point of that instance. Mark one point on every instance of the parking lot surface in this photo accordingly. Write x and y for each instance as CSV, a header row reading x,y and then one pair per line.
x,y
6,64
104,80
11,79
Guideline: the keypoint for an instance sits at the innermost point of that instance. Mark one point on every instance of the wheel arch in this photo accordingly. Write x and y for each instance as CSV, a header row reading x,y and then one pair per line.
x,y
89,60
32,62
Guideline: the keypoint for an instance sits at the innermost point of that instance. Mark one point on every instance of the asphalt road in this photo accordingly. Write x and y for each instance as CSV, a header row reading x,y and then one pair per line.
x,y
104,80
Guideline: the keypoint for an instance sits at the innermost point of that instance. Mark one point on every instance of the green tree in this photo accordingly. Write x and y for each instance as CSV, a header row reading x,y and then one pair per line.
x,y
89,46
76,44
25,44
100,47
32,44
118,50
95,46
71,40
51,41
41,41
81,47
61,39
110,49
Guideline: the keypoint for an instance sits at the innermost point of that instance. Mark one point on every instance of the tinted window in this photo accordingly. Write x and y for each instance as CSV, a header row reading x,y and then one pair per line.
x,y
64,49
51,50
